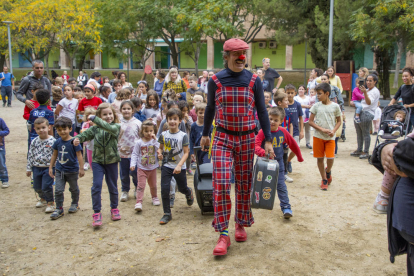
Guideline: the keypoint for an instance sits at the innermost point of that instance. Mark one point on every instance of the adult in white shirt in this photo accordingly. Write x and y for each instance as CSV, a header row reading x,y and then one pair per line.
x,y
95,79
81,79
122,79
369,104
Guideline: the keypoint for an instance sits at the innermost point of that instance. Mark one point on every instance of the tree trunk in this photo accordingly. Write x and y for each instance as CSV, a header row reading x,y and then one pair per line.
x,y
71,64
384,59
196,57
2,61
47,64
174,53
398,64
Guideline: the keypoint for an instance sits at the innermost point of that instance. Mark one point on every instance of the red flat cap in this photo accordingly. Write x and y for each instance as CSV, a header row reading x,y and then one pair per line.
x,y
235,44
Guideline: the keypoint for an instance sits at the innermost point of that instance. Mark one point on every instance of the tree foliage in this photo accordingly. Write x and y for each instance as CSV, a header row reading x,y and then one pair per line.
x,y
385,24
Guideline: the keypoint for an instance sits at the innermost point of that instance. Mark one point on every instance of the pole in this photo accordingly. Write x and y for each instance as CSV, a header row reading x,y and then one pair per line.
x,y
10,52
330,33
128,61
306,55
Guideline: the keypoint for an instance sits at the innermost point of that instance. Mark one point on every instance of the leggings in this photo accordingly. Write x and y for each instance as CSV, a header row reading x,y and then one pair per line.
x,y
307,132
362,130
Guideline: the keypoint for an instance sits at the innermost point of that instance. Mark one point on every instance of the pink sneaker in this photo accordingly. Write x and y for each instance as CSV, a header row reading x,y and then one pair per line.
x,y
155,201
97,219
115,214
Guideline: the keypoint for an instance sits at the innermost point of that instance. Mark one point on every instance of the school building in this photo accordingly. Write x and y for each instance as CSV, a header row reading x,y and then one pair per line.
x,y
282,57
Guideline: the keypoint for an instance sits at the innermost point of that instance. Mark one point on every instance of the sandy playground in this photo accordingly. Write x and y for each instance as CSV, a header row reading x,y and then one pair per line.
x,y
331,233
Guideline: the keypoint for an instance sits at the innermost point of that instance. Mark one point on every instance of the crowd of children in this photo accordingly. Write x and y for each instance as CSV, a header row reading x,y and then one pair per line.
x,y
130,131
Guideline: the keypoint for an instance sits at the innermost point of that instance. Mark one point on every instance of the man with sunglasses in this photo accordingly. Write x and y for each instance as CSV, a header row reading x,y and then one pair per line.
x,y
24,94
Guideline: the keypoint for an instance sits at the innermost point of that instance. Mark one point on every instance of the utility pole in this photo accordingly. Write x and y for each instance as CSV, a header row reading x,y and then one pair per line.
x,y
330,33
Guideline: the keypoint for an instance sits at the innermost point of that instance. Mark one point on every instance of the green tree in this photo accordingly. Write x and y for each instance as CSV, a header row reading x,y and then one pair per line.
x,y
385,23
297,21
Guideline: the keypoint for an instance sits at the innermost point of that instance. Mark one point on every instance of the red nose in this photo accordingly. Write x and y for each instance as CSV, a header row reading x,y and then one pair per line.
x,y
242,57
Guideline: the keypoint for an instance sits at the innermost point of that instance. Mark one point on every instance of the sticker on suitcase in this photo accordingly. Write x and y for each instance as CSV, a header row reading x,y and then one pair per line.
x,y
257,196
268,179
271,166
259,176
266,193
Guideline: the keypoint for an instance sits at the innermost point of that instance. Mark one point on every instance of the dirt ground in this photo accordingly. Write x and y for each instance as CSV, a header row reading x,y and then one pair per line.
x,y
331,233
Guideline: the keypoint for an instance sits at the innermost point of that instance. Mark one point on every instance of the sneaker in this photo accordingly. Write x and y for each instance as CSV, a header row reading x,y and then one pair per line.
x,y
193,165
124,196
330,176
357,120
311,153
5,185
172,199
364,155
395,133
165,219
287,213
190,198
115,214
155,201
4,104
356,153
73,208
138,207
381,132
309,146
381,206
97,219
375,133
221,247
50,208
288,179
57,214
190,172
289,167
41,203
86,166
324,185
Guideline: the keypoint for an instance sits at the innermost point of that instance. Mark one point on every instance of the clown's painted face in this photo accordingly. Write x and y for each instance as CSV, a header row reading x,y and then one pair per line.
x,y
234,61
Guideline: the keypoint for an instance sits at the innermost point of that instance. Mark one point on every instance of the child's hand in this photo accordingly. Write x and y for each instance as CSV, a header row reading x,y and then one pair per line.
x,y
153,136
193,157
81,172
331,133
160,155
132,169
90,117
76,142
326,131
51,173
28,174
177,170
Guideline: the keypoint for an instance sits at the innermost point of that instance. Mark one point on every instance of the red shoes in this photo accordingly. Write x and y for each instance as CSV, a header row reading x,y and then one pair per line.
x,y
222,244
240,234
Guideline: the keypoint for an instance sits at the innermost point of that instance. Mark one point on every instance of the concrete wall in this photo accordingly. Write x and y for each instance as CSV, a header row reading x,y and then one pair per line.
x,y
188,62
298,58
277,56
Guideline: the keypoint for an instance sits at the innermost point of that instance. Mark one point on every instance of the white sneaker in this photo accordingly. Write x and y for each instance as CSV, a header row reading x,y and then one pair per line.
x,y
50,208
5,185
311,153
155,201
138,207
41,203
381,132
86,166
288,179
124,196
395,133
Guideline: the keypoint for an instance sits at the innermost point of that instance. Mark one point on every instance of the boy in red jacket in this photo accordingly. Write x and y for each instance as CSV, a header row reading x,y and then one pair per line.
x,y
280,136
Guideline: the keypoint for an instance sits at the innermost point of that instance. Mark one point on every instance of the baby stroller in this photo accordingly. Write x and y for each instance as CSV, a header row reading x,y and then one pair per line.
x,y
387,117
203,184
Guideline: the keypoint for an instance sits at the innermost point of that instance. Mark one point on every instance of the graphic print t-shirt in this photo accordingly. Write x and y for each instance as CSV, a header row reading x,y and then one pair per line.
x,y
66,160
173,147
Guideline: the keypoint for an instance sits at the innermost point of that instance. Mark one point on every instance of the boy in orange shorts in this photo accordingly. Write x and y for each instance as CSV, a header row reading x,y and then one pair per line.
x,y
327,115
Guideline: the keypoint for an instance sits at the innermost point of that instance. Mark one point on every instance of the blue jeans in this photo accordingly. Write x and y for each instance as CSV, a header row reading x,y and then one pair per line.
x,y
6,91
282,192
110,171
125,172
358,106
4,176
43,183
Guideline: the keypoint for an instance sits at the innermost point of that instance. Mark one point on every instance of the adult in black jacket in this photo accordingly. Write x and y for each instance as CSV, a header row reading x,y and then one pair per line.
x,y
397,158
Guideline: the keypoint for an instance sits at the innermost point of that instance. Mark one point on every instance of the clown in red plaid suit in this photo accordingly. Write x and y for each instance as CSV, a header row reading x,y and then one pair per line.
x,y
232,95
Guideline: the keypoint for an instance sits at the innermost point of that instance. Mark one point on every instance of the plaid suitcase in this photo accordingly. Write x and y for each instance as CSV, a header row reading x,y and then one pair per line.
x,y
265,175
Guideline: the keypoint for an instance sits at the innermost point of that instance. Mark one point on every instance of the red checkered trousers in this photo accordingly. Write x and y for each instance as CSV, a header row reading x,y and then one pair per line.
x,y
234,112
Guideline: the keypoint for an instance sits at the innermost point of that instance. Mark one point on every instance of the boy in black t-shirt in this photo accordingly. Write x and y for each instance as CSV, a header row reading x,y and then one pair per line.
x,y
68,166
